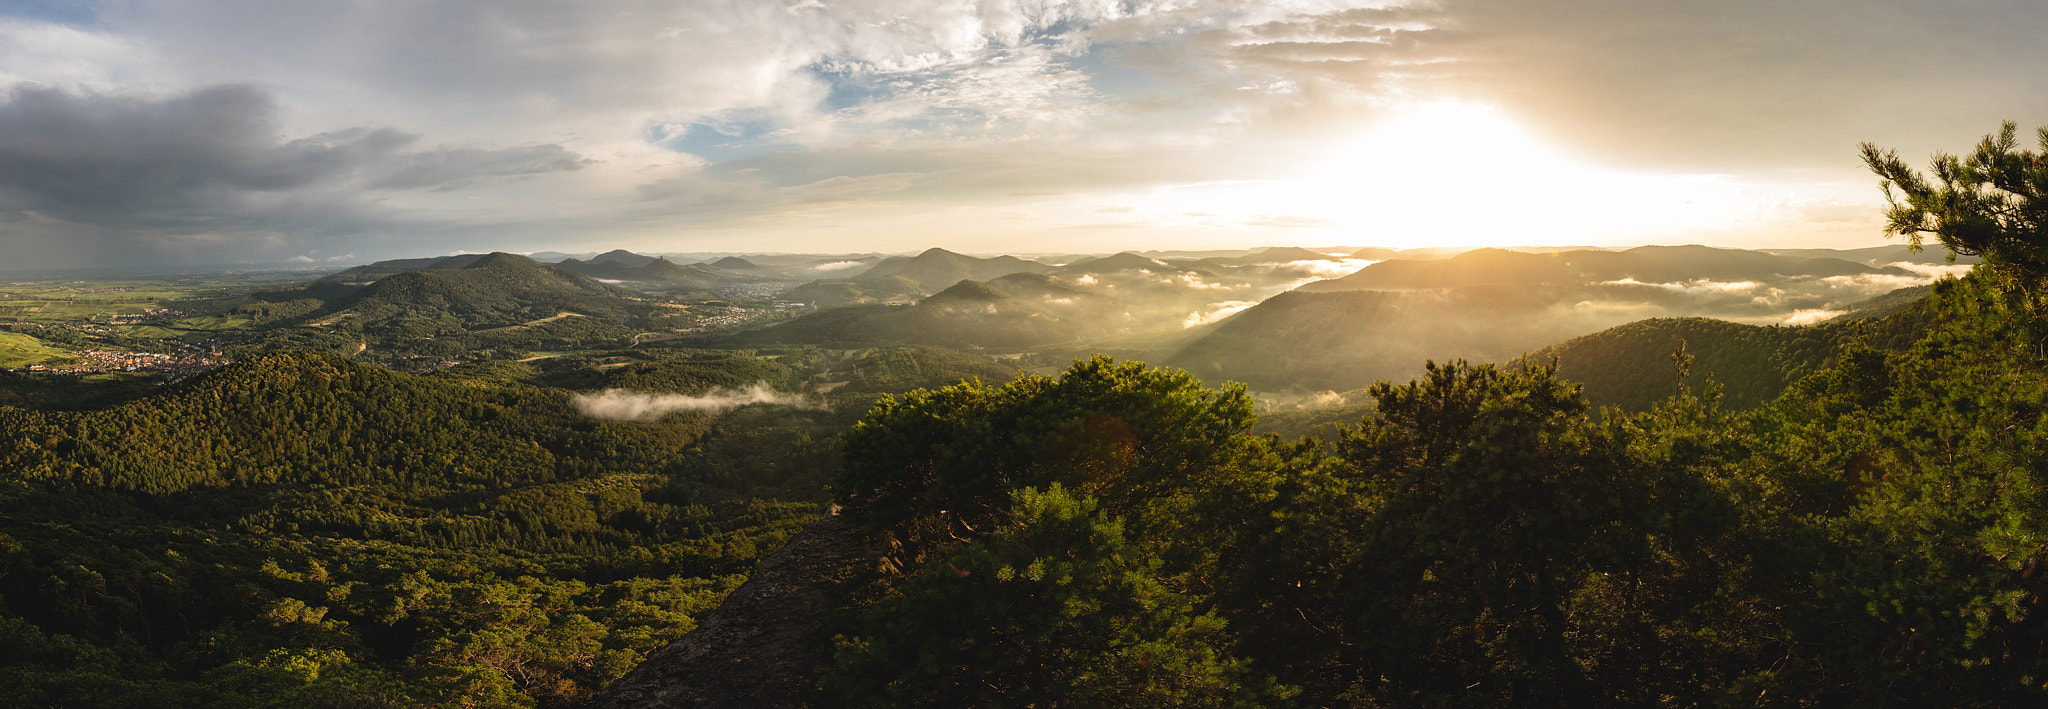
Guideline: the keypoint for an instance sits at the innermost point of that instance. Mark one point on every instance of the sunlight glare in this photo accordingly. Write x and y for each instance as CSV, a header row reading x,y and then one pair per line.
x,y
1458,173
1461,174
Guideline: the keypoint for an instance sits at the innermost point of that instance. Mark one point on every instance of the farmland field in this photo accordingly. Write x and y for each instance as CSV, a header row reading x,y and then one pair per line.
x,y
18,350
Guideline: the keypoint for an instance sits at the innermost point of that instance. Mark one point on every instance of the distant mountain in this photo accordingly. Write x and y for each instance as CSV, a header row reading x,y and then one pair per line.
x,y
1019,310
360,275
900,279
658,272
614,270
939,268
1126,261
1880,255
622,256
497,300
686,276
1267,257
734,263
1286,254
488,287
1648,264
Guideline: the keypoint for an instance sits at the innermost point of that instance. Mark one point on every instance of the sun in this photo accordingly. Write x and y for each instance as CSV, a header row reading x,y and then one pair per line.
x,y
1460,173
1464,173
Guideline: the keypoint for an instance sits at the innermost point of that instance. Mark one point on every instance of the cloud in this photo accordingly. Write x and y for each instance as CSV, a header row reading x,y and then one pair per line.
x,y
626,405
1329,269
1289,221
1935,270
1699,286
837,266
449,168
94,154
1215,312
1810,316
1724,86
207,174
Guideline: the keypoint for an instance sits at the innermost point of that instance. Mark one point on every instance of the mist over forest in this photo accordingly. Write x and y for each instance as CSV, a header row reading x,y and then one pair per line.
x,y
509,480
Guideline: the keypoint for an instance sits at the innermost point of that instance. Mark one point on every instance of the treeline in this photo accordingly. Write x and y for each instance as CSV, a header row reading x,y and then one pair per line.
x,y
1625,366
1112,537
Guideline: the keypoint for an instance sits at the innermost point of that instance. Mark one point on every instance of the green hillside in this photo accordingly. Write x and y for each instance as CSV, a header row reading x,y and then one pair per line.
x,y
1629,366
491,301
18,350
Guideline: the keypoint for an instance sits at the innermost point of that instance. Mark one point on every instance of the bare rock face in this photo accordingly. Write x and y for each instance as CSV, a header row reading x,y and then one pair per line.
x,y
761,647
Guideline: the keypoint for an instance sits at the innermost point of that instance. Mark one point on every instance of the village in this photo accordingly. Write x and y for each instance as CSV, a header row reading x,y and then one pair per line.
x,y
187,360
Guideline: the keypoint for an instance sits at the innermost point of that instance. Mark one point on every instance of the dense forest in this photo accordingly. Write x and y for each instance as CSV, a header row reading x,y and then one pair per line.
x,y
301,530
1874,536
1112,538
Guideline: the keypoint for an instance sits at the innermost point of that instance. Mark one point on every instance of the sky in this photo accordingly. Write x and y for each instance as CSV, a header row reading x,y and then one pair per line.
x,y
189,132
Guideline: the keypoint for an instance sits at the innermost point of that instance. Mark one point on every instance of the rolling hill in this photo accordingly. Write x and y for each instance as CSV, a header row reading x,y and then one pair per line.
x,y
1020,310
1347,339
1629,365
938,268
496,300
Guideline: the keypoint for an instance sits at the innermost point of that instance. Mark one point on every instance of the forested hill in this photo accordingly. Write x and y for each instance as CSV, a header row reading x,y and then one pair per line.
x,y
446,310
1345,340
489,287
939,268
905,278
304,418
300,530
1629,366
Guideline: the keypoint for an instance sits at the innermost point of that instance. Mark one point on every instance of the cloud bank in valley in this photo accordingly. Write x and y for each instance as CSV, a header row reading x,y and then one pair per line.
x,y
644,407
1216,311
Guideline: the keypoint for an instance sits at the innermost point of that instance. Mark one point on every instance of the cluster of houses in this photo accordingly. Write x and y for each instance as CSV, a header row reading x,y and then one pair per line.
x,y
190,360
149,316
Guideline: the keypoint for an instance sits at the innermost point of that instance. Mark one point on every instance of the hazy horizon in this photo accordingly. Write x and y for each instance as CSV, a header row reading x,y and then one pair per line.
x,y
339,264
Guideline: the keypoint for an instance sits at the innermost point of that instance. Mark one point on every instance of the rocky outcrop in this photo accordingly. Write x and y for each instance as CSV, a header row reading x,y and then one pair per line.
x,y
762,647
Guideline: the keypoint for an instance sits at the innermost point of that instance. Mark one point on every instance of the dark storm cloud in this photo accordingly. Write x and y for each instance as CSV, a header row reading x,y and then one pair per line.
x,y
141,174
92,156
